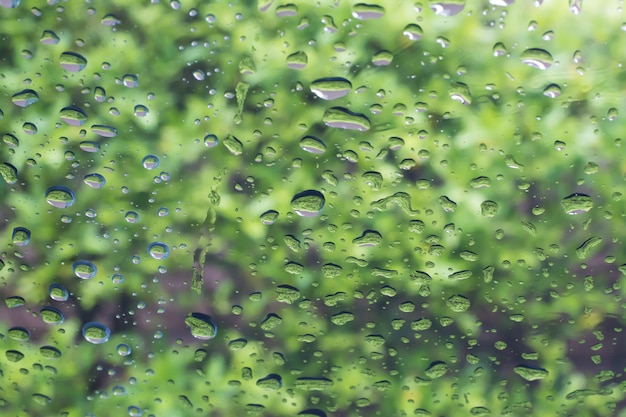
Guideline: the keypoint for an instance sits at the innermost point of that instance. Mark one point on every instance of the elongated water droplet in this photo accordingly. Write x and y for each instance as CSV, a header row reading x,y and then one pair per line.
x,y
313,145
577,203
364,11
8,173
343,118
447,7
104,131
331,88
25,98
537,58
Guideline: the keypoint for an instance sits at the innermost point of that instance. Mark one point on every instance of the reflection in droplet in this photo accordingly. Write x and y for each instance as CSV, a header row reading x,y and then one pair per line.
x,y
60,197
552,91
577,203
382,58
297,60
210,141
8,173
51,315
96,333
413,32
308,203
364,11
104,131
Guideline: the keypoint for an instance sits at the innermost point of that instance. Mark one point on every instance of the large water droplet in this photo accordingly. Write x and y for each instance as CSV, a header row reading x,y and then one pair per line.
x,y
201,325
331,88
537,58
60,197
297,60
313,145
447,7
96,333
150,162
8,173
51,315
94,180
577,203
58,292
158,250
104,131
73,116
72,61
21,236
308,203
84,269
25,98
343,118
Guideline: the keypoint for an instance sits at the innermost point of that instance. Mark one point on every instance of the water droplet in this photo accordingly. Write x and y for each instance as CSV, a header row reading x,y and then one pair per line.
x,y
382,58
413,32
10,4
233,145
308,203
123,349
583,250
159,250
364,11
436,370
14,355
201,325
58,292
313,145
530,373
15,301
18,333
297,60
60,197
110,20
96,333
50,352
88,146
368,238
25,98
552,91
331,88
210,141
577,203
94,180
51,315
537,58
104,131
489,208
447,7
130,81
287,10
73,116
48,37
84,269
8,173
150,162
461,93
72,61
140,110
458,303
131,217
269,217
343,118
21,236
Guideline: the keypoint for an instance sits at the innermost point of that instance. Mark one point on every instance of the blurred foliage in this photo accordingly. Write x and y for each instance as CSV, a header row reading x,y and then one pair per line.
x,y
444,274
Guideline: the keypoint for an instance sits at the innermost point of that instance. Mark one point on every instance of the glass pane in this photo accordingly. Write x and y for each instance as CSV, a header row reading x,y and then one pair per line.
x,y
327,208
